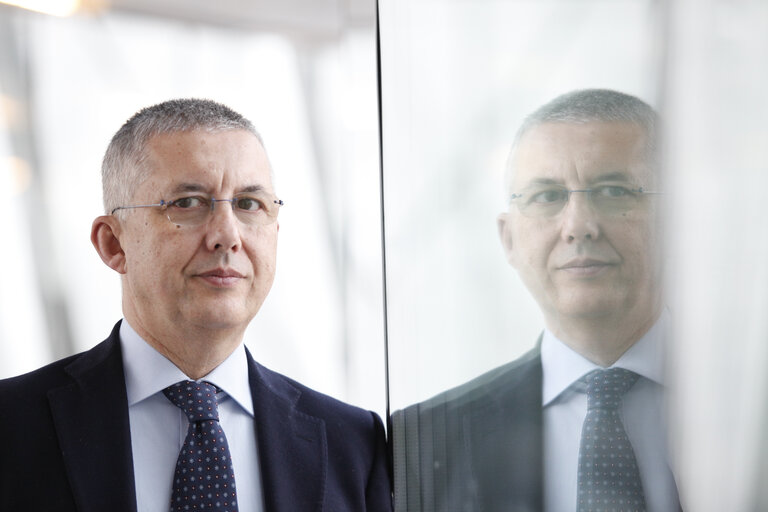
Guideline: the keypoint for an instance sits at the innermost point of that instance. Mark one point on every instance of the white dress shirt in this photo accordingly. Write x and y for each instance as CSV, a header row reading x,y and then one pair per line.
x,y
642,411
158,428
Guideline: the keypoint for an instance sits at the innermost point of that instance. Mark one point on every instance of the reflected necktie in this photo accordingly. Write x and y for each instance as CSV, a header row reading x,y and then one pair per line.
x,y
204,478
608,476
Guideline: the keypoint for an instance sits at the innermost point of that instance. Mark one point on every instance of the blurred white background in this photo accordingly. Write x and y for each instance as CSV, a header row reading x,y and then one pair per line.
x,y
717,155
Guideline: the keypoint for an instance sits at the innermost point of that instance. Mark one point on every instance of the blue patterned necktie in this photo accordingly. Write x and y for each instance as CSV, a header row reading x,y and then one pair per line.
x,y
204,478
608,476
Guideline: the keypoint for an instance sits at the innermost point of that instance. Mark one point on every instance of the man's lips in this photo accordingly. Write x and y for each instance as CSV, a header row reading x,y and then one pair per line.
x,y
221,276
585,266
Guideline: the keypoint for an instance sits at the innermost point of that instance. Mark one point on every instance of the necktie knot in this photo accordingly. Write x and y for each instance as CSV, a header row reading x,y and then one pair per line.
x,y
196,399
605,388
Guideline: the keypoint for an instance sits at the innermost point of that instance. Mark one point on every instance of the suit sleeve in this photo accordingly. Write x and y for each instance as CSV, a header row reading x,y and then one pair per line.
x,y
378,493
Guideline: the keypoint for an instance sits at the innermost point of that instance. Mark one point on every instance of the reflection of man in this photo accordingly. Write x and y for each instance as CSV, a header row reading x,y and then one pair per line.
x,y
582,233
146,420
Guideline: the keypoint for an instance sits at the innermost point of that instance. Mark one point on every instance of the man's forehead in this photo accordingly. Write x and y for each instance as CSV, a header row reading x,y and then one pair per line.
x,y
586,152
202,161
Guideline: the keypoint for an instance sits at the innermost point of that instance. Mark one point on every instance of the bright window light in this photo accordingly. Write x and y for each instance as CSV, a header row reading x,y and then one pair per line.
x,y
52,7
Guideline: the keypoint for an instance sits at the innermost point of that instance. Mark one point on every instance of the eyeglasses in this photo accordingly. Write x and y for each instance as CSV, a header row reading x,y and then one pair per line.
x,y
253,209
549,200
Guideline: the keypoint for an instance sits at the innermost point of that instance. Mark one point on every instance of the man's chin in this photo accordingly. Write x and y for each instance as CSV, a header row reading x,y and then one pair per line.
x,y
221,318
589,307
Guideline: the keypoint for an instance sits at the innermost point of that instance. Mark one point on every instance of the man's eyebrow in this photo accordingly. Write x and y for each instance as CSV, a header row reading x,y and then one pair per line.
x,y
197,187
252,188
608,176
611,176
543,181
188,187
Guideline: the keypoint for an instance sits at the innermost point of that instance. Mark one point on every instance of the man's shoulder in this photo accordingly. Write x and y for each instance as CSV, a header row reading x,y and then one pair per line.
x,y
59,373
310,401
25,395
523,375
476,444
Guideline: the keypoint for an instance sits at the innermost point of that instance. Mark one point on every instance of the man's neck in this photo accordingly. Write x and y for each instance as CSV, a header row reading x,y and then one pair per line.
x,y
601,340
196,352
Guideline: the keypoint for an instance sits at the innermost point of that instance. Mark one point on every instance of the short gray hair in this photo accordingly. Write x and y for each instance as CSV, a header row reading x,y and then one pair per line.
x,y
123,168
590,105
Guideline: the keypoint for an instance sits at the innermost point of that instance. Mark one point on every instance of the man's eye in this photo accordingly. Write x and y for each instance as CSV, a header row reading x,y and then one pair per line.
x,y
189,202
548,196
248,203
612,191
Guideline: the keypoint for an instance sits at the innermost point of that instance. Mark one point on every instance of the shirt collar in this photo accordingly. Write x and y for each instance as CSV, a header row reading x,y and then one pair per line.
x,y
562,366
148,372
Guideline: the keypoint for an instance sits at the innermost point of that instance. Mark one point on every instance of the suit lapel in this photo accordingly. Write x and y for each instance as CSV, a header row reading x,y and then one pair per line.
x,y
91,420
293,451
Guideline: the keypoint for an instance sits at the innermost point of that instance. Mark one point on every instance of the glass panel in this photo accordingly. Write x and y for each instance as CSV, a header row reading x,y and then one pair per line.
x,y
473,429
717,117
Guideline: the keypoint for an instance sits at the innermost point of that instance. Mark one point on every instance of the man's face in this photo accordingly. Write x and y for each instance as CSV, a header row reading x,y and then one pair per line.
x,y
212,276
584,262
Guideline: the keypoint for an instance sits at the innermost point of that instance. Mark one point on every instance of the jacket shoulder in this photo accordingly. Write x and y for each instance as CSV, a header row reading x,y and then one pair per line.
x,y
517,376
308,400
58,373
475,446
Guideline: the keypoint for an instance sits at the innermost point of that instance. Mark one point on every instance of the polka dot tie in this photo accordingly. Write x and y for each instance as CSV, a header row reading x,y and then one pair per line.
x,y
204,479
608,476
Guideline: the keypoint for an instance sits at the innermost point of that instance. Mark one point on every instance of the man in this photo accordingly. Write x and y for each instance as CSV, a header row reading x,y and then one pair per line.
x,y
582,231
146,420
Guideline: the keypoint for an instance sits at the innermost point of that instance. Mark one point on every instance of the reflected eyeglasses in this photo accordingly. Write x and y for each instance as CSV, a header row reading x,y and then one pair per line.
x,y
549,200
252,209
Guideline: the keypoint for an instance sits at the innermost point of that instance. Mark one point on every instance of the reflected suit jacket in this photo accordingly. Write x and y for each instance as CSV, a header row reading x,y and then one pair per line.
x,y
65,442
476,447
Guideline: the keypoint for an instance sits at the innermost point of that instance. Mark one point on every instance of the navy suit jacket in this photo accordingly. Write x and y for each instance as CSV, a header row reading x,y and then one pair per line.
x,y
474,448
65,441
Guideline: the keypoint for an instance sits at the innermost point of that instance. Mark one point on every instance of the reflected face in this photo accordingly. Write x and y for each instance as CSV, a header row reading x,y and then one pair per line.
x,y
212,276
591,258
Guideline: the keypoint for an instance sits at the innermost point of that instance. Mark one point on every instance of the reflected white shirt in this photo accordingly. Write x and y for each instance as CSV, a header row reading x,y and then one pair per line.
x,y
642,411
158,428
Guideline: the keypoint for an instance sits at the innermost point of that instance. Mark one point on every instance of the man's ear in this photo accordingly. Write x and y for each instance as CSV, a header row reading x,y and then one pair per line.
x,y
105,237
503,223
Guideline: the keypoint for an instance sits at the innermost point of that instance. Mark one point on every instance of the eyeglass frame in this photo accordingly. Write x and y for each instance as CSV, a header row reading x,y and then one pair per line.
x,y
640,191
163,204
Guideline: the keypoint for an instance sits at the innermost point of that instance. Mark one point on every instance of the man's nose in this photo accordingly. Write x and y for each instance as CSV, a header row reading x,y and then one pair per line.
x,y
580,221
223,228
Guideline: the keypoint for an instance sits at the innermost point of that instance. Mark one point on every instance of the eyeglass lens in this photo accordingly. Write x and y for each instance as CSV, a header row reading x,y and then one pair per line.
x,y
549,201
251,209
